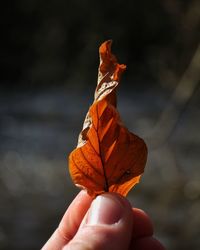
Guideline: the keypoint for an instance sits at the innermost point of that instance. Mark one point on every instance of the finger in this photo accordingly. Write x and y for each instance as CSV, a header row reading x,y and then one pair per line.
x,y
75,214
70,222
142,224
147,243
107,225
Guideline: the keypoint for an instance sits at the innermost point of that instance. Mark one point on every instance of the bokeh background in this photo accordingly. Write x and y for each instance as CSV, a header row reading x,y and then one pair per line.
x,y
49,60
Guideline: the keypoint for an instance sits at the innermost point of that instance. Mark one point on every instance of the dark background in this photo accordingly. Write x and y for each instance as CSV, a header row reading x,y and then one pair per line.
x,y
49,60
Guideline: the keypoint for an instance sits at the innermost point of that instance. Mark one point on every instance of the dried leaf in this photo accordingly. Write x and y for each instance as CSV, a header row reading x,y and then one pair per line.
x,y
108,157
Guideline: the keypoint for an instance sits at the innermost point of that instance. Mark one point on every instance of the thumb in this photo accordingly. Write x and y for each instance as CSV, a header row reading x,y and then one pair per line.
x,y
106,226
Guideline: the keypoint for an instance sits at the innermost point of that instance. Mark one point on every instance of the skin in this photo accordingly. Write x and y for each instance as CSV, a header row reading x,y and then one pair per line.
x,y
105,223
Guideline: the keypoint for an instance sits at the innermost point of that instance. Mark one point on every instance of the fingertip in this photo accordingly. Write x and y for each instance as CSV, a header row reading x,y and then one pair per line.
x,y
125,203
113,206
75,214
108,221
142,224
70,222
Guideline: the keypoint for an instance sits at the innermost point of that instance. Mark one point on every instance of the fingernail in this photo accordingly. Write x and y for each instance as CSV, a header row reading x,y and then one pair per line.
x,y
105,209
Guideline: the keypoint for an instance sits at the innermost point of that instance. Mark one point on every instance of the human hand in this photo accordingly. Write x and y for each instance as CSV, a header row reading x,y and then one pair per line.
x,y
105,223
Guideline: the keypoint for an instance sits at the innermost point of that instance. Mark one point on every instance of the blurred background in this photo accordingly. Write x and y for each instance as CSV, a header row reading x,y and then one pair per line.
x,y
49,60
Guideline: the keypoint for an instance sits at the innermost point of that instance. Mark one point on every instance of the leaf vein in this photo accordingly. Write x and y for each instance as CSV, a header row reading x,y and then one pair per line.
x,y
85,175
106,188
89,162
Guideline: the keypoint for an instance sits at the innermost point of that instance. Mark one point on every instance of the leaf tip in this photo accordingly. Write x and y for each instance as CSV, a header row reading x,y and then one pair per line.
x,y
108,61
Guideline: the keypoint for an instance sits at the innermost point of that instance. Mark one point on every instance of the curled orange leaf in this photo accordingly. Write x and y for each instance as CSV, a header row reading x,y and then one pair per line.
x,y
108,157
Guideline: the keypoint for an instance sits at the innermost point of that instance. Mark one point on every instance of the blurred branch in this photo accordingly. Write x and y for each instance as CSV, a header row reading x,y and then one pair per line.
x,y
177,104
